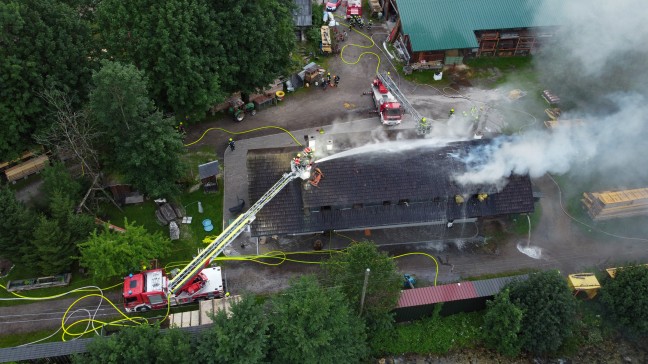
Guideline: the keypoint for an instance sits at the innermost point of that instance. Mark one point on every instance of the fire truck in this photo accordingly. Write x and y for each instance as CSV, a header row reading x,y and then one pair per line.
x,y
390,110
354,8
391,104
154,289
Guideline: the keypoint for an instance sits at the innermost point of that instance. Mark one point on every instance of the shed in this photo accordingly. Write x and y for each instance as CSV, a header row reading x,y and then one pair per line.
x,y
456,297
452,29
208,174
302,17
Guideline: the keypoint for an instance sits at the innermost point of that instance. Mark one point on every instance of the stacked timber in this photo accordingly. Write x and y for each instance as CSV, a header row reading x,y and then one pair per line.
x,y
26,168
614,204
550,97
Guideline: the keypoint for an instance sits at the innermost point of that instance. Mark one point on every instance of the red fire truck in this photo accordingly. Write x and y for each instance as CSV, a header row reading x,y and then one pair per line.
x,y
354,8
153,289
390,110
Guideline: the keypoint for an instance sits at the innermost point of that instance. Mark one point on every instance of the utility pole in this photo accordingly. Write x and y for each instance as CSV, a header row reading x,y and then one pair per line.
x,y
364,290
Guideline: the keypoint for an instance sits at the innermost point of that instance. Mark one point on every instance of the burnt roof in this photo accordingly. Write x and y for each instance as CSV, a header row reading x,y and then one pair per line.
x,y
377,190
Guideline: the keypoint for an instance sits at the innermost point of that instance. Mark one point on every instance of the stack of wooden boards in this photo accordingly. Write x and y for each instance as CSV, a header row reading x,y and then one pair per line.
x,y
613,204
550,98
29,163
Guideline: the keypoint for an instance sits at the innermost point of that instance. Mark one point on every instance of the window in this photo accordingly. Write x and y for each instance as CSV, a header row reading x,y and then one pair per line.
x,y
386,203
357,205
404,202
133,283
325,208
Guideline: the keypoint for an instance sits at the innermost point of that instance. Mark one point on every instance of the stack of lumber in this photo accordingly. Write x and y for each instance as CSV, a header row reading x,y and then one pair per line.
x,y
27,168
550,98
553,113
552,124
613,204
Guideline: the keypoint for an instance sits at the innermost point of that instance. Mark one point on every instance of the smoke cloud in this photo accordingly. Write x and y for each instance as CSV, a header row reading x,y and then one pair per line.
x,y
597,65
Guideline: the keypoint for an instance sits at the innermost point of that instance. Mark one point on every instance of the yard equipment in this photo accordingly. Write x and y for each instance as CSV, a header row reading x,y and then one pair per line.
x,y
153,289
239,109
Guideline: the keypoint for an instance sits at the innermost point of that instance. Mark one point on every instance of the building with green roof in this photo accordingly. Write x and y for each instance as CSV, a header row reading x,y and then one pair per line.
x,y
444,31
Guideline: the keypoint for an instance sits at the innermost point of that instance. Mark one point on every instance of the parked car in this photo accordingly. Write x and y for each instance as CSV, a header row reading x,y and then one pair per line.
x,y
333,5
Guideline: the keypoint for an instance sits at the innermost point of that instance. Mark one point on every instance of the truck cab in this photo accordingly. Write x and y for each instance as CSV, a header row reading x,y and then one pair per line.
x,y
354,8
390,110
149,290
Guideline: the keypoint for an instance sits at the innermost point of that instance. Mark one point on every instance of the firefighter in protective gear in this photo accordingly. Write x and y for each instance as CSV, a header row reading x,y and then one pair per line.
x,y
231,144
451,112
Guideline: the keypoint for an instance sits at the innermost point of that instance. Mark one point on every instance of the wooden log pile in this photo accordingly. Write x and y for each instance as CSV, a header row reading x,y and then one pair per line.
x,y
615,204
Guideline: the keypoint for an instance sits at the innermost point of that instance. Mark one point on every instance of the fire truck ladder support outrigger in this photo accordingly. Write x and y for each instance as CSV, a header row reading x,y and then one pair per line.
x,y
423,126
228,235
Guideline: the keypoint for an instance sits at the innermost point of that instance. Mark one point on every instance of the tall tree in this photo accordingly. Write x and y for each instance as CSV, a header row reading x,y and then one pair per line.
x,y
111,254
43,44
56,178
311,324
55,237
139,142
549,311
347,270
256,46
502,324
626,298
241,338
71,134
15,224
177,44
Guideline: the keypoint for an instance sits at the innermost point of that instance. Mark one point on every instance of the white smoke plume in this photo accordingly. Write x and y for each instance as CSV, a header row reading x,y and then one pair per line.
x,y
598,65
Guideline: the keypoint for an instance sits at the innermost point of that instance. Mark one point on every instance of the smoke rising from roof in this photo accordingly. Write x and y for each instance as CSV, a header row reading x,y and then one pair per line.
x,y
597,65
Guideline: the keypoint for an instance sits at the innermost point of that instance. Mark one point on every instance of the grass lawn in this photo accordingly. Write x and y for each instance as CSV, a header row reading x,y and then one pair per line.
x,y
519,224
191,235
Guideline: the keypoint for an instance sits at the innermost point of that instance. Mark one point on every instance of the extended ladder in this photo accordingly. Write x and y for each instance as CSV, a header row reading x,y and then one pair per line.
x,y
228,235
423,126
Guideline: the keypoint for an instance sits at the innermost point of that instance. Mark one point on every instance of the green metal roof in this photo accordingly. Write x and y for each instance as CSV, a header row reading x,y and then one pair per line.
x,y
450,24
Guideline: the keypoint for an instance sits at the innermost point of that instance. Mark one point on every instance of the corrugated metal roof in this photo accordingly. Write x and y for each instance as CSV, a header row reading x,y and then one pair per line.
x,y
208,169
455,291
491,287
429,295
302,16
450,24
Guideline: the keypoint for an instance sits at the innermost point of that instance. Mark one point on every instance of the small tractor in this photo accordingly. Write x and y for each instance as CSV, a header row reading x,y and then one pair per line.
x,y
239,109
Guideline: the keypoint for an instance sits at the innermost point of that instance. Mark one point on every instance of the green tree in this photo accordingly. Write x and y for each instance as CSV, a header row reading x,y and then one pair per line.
x,y
549,311
111,254
347,270
15,224
256,46
177,44
502,324
241,338
55,238
150,158
44,43
142,344
56,178
310,324
139,142
626,298
54,252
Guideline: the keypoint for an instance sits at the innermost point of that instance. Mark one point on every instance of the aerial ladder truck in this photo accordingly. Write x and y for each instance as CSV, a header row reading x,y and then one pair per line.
x,y
424,125
153,289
